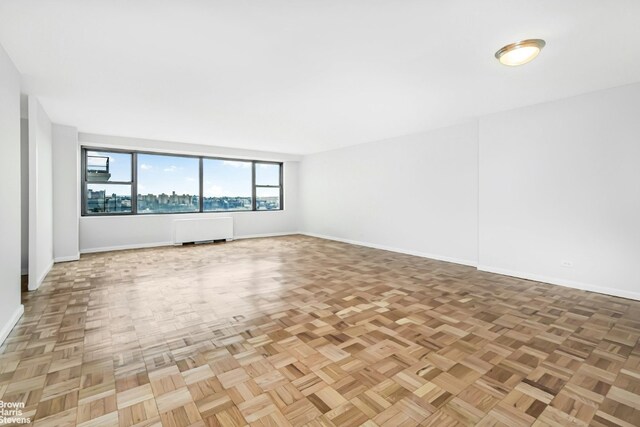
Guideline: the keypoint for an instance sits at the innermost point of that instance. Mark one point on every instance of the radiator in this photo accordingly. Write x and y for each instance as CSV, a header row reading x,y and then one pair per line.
x,y
202,230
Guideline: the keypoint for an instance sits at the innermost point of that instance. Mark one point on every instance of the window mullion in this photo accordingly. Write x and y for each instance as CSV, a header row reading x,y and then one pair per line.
x,y
201,186
134,183
281,186
253,186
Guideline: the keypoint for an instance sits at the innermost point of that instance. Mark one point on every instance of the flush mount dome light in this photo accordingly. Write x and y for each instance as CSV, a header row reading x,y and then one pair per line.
x,y
521,52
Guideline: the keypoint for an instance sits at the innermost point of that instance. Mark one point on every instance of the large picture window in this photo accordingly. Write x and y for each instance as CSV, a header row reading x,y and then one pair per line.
x,y
168,184
227,185
118,182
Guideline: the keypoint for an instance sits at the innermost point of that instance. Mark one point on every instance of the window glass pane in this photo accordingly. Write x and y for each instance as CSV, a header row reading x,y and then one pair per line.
x,y
168,184
227,185
267,174
267,198
105,166
103,198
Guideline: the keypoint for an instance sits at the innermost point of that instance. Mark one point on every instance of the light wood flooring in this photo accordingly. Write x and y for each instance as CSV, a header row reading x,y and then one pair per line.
x,y
307,332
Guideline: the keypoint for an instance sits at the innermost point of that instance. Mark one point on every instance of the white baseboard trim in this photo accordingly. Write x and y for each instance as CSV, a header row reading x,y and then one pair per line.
x,y
34,286
6,329
561,282
67,258
125,247
158,244
259,236
398,250
496,270
489,269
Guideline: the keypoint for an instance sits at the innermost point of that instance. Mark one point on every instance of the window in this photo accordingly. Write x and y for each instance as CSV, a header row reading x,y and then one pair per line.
x,y
107,181
168,184
268,186
128,182
226,185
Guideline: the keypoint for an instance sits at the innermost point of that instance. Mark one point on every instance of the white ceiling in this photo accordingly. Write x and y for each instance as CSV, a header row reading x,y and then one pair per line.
x,y
301,76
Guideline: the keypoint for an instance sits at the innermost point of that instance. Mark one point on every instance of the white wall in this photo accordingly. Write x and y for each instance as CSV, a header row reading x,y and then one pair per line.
x,y
561,182
520,194
10,307
40,194
106,233
414,194
24,193
66,197
95,140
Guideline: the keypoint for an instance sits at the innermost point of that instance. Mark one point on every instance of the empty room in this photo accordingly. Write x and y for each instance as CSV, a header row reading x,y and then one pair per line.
x,y
319,213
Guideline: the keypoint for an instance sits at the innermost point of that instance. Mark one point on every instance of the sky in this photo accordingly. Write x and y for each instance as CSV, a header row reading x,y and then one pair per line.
x,y
164,174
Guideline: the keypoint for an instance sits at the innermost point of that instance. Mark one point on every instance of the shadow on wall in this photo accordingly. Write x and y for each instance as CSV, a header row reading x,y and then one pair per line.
x,y
24,192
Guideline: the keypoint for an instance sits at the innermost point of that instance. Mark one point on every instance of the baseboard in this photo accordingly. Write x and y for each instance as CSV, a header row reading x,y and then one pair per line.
x,y
393,249
259,236
6,329
67,258
502,271
561,282
125,247
158,244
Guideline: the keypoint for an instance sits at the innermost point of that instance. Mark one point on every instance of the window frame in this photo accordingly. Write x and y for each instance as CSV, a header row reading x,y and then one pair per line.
x,y
134,182
256,186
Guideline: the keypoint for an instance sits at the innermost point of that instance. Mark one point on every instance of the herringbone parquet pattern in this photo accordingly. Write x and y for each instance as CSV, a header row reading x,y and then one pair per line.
x,y
307,332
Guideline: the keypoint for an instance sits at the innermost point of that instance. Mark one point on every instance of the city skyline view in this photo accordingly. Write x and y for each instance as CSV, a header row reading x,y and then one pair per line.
x,y
99,201
171,184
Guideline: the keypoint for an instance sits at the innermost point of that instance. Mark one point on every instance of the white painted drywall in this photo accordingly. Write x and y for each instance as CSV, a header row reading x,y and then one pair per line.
x,y
40,194
415,194
66,198
95,140
120,232
10,307
540,186
24,194
560,181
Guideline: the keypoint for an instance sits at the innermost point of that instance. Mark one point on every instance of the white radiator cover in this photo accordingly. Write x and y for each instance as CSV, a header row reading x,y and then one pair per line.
x,y
202,229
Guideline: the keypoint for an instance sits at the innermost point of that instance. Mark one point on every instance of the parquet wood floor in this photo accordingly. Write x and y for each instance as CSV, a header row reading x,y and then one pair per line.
x,y
307,332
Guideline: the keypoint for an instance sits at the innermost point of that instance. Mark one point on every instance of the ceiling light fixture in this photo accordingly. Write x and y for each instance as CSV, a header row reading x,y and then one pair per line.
x,y
520,52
